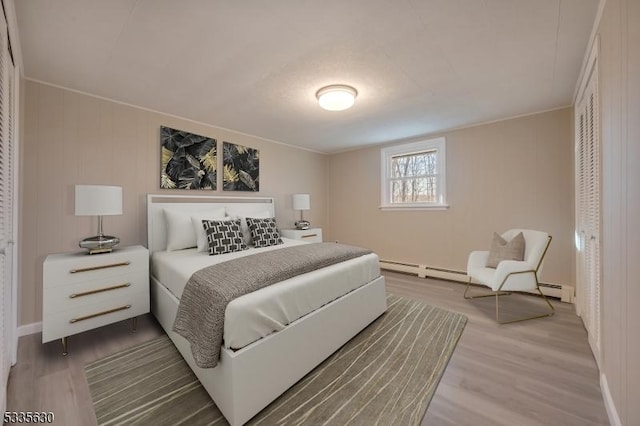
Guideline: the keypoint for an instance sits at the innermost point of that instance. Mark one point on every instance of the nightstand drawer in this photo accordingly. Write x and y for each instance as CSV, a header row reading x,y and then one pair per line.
x,y
312,235
62,298
90,316
83,267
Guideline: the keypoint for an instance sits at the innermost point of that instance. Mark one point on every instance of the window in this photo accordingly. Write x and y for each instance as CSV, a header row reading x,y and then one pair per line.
x,y
413,175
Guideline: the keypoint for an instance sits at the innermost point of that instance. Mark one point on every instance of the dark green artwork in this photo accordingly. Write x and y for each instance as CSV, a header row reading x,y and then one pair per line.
x,y
189,161
241,168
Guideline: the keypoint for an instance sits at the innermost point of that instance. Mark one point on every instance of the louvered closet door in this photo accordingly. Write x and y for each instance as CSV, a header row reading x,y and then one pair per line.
x,y
588,212
6,208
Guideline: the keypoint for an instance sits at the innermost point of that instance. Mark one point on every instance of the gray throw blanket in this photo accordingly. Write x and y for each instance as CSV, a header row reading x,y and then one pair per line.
x,y
200,317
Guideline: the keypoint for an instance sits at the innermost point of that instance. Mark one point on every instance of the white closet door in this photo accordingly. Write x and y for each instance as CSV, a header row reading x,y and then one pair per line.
x,y
587,177
6,209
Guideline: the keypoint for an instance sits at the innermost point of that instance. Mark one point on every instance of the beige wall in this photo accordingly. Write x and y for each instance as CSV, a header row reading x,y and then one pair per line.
x,y
70,138
619,80
513,173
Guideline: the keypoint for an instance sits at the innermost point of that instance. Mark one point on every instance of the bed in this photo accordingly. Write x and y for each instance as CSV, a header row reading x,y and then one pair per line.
x,y
274,336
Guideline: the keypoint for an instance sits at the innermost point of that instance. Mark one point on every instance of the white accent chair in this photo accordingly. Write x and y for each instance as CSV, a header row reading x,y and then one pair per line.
x,y
511,275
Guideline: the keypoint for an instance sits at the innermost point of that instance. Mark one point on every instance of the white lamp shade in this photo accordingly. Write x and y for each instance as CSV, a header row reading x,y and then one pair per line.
x,y
301,202
98,200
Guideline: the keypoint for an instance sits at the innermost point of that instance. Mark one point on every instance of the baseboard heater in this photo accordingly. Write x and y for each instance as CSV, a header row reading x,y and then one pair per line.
x,y
563,292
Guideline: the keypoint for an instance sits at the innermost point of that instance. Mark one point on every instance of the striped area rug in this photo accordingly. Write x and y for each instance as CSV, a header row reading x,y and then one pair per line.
x,y
385,375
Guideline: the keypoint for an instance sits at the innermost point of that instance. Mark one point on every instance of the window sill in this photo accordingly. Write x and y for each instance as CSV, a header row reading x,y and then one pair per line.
x,y
414,207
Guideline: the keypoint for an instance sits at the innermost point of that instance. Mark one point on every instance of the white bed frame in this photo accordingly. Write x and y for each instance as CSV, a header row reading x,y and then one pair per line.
x,y
246,381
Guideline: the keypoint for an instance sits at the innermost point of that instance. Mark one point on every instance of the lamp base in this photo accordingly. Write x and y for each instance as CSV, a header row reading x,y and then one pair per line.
x,y
99,244
303,225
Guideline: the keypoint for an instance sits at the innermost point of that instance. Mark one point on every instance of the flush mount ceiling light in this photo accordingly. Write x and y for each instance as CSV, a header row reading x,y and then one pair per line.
x,y
336,97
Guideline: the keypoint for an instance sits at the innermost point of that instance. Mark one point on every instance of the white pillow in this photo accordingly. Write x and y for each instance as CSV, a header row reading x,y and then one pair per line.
x,y
180,232
246,233
201,234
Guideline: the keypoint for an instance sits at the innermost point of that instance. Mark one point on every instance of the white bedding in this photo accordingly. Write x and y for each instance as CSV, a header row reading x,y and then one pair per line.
x,y
270,309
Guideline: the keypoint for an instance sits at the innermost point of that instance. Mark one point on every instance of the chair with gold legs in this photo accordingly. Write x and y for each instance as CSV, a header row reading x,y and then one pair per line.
x,y
511,275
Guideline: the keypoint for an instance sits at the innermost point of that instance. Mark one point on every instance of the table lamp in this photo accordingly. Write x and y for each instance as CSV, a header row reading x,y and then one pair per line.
x,y
301,202
98,200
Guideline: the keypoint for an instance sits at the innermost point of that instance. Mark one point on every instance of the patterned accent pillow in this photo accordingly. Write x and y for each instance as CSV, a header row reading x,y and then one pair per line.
x,y
224,236
263,231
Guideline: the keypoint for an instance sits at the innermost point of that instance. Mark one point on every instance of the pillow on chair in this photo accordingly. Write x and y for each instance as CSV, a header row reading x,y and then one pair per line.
x,y
503,250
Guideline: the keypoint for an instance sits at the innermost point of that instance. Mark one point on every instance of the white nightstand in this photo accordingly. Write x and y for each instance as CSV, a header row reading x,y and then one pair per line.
x,y
82,292
311,235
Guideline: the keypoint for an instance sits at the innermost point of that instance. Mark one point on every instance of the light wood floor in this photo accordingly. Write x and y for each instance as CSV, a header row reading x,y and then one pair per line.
x,y
538,372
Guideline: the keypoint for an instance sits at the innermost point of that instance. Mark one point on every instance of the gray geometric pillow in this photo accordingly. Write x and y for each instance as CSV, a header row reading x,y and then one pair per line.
x,y
503,250
263,231
224,236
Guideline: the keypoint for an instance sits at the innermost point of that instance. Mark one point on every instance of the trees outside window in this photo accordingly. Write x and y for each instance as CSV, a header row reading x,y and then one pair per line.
x,y
413,175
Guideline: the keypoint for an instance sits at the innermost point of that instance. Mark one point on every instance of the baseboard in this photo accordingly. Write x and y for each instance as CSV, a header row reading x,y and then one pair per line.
x,y
27,329
614,419
563,292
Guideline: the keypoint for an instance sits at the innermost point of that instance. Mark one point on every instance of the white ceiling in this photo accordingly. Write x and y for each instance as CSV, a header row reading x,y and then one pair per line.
x,y
420,66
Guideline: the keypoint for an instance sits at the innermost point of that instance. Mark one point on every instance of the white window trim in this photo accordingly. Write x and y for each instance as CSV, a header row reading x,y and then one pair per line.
x,y
409,148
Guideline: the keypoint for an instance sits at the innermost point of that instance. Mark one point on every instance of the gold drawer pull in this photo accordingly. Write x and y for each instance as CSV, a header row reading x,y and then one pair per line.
x,y
121,308
309,236
99,290
95,268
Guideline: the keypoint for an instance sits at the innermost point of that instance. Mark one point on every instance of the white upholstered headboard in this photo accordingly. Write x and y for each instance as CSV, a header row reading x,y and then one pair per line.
x,y
156,203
